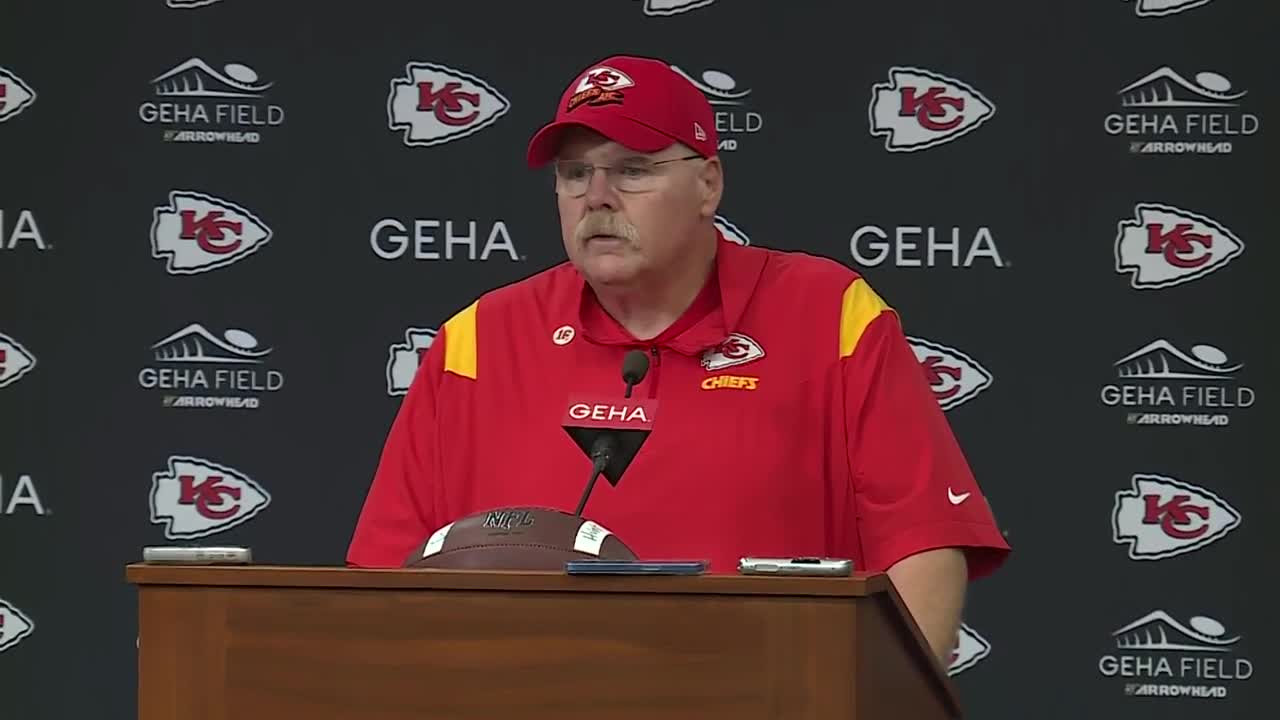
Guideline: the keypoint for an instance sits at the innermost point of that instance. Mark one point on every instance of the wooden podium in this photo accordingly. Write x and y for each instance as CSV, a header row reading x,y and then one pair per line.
x,y
321,643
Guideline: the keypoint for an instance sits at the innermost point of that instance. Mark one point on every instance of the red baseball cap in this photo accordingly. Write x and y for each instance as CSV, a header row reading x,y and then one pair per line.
x,y
640,103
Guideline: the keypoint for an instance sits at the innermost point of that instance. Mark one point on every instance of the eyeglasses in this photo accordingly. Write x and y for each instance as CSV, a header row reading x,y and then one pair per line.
x,y
635,175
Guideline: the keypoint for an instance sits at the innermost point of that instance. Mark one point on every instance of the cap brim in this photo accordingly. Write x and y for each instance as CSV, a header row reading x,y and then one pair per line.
x,y
618,128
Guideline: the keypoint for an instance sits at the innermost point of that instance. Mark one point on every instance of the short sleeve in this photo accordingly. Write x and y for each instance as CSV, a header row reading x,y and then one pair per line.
x,y
398,511
913,488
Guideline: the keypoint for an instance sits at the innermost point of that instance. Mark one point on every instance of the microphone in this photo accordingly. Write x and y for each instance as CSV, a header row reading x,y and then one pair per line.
x,y
634,366
611,432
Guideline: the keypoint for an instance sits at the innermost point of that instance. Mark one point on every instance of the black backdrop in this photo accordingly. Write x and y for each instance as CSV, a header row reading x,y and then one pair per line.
x,y
1108,380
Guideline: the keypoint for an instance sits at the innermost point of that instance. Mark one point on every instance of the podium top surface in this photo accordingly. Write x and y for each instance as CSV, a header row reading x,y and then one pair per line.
x,y
282,576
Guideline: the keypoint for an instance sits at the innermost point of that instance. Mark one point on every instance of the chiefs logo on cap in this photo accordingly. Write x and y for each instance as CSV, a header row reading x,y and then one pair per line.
x,y
600,85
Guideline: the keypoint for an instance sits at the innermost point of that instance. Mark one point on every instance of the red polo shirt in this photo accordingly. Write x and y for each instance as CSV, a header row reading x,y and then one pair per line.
x,y
793,420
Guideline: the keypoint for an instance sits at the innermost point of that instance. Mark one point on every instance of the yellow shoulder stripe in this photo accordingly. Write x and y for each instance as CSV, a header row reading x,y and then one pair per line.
x,y
859,306
460,342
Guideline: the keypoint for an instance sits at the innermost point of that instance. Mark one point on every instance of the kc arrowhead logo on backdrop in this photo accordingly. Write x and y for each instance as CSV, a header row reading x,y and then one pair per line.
x,y
970,649
195,498
190,3
14,625
919,109
731,232
659,8
435,104
1166,246
1160,8
404,358
1162,517
197,233
15,361
15,95
954,377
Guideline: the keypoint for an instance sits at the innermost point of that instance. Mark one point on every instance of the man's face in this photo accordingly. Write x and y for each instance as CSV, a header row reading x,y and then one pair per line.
x,y
618,235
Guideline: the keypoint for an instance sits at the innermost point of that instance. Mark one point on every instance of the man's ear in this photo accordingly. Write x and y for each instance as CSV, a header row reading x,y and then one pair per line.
x,y
711,185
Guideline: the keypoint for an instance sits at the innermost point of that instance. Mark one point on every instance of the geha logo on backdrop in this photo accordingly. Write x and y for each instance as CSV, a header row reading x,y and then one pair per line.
x,y
24,229
925,246
198,232
436,239
21,497
15,95
197,369
1161,517
1165,113
918,109
195,498
434,104
954,377
1163,246
198,103
15,626
15,361
735,120
1160,384
1158,656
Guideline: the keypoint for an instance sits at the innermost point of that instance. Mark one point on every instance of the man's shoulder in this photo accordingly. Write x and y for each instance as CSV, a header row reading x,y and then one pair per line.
x,y
789,271
550,286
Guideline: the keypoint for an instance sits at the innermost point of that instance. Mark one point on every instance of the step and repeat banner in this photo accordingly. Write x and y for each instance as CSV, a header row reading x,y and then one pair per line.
x,y
229,230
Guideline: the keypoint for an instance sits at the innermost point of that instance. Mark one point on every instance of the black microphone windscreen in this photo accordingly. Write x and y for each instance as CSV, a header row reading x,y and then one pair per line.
x,y
634,365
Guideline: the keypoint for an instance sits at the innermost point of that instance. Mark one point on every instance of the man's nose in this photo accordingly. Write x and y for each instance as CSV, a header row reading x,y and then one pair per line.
x,y
600,193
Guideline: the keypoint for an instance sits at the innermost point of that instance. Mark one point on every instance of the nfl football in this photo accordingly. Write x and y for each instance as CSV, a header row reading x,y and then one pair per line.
x,y
517,538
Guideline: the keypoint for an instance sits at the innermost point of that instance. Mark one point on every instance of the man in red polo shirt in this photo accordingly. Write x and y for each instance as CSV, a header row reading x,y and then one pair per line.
x,y
795,419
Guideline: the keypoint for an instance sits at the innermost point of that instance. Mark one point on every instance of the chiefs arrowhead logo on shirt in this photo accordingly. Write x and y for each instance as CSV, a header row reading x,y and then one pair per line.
x,y
736,349
919,109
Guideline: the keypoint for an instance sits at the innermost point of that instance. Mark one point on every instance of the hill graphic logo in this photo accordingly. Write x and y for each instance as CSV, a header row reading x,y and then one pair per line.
x,y
1161,8
197,369
1160,384
735,118
1158,656
1165,113
196,103
663,8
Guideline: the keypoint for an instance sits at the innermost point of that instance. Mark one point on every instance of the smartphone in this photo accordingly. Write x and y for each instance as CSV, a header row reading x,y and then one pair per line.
x,y
635,567
826,567
179,555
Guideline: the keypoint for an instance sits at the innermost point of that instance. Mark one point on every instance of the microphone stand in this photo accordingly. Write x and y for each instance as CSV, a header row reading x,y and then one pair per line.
x,y
601,450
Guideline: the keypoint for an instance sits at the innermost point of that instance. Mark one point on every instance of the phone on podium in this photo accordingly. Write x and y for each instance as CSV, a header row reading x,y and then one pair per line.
x,y
811,566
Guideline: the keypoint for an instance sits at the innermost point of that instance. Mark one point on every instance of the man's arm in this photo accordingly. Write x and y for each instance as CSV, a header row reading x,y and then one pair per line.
x,y
919,512
932,584
399,510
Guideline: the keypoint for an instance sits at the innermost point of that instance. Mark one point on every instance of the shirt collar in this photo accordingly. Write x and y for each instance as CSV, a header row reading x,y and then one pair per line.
x,y
713,314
